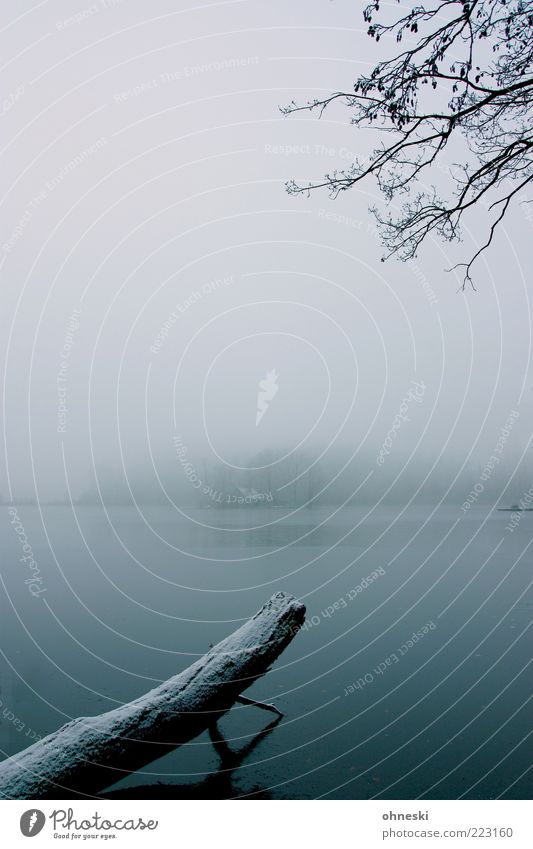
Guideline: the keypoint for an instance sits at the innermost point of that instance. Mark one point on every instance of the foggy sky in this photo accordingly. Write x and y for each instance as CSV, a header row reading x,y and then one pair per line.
x,y
154,269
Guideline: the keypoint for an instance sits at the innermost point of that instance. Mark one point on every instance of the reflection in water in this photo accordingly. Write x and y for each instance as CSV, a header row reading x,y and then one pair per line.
x,y
218,785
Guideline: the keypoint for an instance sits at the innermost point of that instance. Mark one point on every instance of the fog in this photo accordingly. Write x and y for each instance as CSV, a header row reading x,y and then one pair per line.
x,y
155,273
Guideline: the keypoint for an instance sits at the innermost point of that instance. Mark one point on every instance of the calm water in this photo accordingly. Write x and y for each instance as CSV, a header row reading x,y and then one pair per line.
x,y
133,598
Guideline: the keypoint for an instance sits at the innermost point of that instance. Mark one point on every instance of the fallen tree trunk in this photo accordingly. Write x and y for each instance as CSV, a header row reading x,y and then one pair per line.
x,y
91,753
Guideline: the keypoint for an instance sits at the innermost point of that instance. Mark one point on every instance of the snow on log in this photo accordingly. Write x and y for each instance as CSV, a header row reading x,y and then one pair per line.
x,y
91,753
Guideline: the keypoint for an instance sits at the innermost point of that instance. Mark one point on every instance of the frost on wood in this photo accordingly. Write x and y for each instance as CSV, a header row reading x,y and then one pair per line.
x,y
91,753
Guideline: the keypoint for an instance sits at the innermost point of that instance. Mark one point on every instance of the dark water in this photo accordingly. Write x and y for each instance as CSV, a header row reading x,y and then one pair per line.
x,y
133,598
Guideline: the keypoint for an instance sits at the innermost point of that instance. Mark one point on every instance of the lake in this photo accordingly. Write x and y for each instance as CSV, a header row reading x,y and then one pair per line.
x,y
409,680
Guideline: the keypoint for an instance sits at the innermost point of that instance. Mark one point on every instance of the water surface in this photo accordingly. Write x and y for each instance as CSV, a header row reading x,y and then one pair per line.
x,y
134,595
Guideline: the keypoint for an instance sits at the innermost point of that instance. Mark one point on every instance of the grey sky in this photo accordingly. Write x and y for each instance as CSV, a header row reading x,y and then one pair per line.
x,y
144,158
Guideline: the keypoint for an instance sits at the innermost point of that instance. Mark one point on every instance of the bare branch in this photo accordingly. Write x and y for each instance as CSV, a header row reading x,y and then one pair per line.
x,y
490,108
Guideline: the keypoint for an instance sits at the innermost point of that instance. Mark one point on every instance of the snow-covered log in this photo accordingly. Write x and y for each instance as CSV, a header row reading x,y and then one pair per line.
x,y
91,753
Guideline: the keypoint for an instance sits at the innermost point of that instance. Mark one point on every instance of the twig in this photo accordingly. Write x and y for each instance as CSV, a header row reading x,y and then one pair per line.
x,y
264,705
